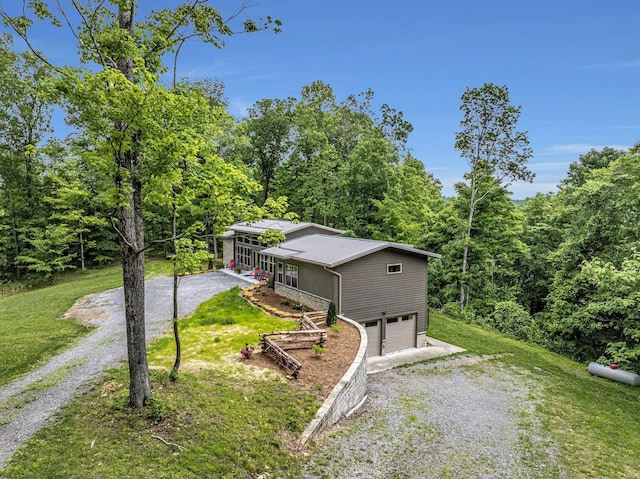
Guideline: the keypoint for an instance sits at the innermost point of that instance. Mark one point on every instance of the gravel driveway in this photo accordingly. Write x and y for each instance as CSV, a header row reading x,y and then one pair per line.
x,y
463,417
26,404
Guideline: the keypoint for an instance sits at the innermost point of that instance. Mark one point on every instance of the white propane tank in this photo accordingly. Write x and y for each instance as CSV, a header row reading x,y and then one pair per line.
x,y
619,375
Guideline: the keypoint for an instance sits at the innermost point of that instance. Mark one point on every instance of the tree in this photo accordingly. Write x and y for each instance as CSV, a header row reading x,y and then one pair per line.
x,y
592,298
492,148
269,129
579,171
542,234
495,250
72,206
408,210
25,113
107,103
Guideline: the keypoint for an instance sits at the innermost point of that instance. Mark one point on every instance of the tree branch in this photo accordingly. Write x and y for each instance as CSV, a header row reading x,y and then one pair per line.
x,y
113,224
89,28
22,33
178,446
161,241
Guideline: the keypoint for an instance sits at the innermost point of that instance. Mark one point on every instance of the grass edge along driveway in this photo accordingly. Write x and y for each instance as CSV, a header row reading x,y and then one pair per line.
x,y
234,423
594,421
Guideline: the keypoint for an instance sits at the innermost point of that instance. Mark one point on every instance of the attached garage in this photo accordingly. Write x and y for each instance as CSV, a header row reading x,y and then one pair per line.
x,y
381,285
400,333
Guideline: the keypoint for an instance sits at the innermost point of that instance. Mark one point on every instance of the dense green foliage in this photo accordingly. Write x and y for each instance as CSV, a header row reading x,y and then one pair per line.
x,y
559,270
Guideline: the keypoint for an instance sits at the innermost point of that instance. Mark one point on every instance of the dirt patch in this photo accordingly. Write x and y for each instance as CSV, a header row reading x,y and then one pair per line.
x,y
86,309
318,373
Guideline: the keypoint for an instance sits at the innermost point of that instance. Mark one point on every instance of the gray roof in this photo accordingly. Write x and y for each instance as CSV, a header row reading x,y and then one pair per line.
x,y
287,227
332,251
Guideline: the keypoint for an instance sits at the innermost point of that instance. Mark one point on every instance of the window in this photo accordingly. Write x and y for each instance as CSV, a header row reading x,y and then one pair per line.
x,y
291,275
392,320
280,273
243,255
371,324
394,268
267,263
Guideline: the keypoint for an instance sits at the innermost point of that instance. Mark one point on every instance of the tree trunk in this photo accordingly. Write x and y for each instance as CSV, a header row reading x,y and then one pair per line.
x,y
131,226
81,249
464,294
131,250
176,334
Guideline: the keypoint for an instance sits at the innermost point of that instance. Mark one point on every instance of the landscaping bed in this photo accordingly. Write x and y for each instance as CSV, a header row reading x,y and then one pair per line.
x,y
319,373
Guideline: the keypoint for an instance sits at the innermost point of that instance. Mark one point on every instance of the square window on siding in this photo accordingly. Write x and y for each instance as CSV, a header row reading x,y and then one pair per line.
x,y
394,268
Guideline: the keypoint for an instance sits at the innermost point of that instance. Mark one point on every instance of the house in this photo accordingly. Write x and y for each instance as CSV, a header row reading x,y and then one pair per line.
x,y
381,285
241,243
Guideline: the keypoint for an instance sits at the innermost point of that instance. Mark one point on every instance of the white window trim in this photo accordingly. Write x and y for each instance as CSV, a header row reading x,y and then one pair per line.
x,y
291,275
394,272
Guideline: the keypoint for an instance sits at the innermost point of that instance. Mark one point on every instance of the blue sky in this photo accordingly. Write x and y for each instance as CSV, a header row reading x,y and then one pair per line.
x,y
573,66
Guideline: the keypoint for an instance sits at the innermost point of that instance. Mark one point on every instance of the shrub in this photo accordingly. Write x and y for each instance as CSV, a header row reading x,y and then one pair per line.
x,y
512,319
319,349
332,317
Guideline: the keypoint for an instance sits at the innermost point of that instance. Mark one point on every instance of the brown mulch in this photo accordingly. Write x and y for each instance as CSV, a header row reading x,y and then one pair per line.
x,y
318,373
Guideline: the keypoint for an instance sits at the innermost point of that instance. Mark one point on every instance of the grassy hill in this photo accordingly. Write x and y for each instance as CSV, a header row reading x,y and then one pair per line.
x,y
222,419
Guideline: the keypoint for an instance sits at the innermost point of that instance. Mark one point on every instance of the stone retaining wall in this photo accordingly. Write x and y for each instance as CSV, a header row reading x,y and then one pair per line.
x,y
347,396
314,302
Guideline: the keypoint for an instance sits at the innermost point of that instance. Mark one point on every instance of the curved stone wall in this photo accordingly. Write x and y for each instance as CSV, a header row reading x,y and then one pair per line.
x,y
347,396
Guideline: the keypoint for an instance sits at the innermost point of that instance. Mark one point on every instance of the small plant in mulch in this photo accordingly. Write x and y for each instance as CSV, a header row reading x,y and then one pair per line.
x,y
297,306
332,316
247,351
319,349
284,302
335,328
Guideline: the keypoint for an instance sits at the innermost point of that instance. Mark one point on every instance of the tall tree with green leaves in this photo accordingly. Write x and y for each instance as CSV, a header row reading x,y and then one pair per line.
x,y
493,149
592,296
25,115
495,248
408,210
542,233
114,100
269,128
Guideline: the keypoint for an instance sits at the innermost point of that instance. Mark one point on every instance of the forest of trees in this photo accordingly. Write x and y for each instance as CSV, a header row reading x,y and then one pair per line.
x,y
561,270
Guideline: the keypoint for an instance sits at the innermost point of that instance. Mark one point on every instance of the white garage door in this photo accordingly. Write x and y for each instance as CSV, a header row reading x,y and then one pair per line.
x,y
400,333
373,329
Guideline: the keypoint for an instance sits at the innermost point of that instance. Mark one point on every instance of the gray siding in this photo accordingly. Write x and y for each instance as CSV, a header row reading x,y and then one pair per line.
x,y
367,289
314,279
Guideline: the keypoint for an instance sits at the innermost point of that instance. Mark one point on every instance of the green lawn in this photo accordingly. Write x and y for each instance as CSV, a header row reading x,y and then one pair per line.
x,y
31,330
220,419
224,420
596,422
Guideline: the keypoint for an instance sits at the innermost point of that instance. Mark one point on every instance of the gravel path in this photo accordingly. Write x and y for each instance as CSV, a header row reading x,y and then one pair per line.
x,y
26,404
464,417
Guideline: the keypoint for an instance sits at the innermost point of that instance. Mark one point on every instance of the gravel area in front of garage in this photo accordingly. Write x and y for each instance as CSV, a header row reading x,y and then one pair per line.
x,y
462,417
